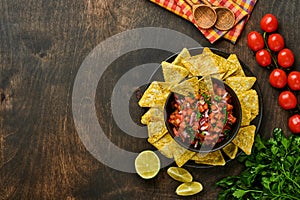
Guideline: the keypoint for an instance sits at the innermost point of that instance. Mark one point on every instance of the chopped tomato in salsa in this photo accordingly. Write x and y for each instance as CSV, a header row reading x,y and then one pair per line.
x,y
202,119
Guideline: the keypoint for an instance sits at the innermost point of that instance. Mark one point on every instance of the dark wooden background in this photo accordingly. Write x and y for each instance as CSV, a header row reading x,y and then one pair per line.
x,y
42,45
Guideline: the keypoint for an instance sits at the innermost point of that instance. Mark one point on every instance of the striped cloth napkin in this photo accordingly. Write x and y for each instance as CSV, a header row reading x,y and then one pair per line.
x,y
241,8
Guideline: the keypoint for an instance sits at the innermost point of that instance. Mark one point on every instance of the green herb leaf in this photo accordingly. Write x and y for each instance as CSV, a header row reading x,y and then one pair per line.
x,y
271,171
259,143
198,115
239,193
285,142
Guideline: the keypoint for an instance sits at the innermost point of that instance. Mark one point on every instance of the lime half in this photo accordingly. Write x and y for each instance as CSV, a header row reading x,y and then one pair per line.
x,y
147,164
191,188
180,174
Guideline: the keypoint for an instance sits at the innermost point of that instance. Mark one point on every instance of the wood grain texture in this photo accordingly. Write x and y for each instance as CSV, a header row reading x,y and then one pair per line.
x,y
42,45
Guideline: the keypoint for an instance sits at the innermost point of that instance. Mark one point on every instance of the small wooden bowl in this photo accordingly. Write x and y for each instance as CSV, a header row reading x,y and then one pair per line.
x,y
205,16
225,19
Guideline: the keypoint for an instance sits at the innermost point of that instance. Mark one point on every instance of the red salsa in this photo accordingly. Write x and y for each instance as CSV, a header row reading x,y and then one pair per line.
x,y
203,119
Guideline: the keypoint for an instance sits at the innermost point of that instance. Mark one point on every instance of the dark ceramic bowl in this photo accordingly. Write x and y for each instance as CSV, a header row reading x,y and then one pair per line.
x,y
237,112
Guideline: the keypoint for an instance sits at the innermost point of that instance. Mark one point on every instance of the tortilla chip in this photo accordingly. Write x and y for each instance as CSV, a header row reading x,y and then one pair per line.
x,y
182,55
240,84
249,100
187,87
203,64
214,158
203,87
219,60
246,116
181,155
152,115
234,60
206,50
224,66
209,85
191,64
230,150
163,145
173,73
231,68
245,138
155,95
157,130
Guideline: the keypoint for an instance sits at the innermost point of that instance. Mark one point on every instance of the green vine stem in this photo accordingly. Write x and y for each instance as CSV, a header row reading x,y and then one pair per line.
x,y
265,36
274,60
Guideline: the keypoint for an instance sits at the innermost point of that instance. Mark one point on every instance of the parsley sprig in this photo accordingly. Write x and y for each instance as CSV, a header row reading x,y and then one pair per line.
x,y
272,171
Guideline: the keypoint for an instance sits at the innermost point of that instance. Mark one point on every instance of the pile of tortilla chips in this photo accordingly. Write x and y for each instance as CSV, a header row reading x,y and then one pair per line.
x,y
175,74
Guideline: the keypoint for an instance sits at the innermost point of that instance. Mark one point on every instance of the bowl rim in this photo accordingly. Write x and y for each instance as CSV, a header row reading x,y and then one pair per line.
x,y
219,145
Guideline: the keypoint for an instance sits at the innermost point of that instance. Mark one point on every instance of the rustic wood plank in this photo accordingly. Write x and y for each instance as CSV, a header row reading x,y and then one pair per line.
x,y
43,44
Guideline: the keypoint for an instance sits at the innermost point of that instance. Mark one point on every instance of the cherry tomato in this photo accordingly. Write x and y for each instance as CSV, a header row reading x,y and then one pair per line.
x,y
287,100
294,123
294,80
275,42
285,58
263,57
255,41
278,78
269,23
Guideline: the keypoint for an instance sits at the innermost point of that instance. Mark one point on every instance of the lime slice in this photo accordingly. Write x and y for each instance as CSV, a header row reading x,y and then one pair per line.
x,y
147,164
180,174
191,188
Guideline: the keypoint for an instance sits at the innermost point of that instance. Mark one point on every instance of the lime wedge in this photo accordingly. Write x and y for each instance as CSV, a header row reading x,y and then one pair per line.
x,y
191,188
147,164
180,174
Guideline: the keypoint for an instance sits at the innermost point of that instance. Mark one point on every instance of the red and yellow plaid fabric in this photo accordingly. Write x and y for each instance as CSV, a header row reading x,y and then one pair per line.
x,y
241,8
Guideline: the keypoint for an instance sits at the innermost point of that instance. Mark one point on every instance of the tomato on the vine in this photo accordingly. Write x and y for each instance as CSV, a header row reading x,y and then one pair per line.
x,y
278,78
287,100
275,42
294,123
285,58
255,41
263,57
269,23
294,80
